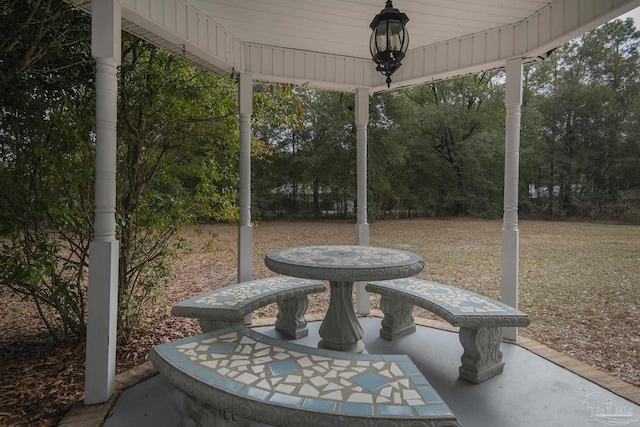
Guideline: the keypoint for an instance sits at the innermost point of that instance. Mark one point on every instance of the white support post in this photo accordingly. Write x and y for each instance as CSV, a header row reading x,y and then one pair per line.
x,y
363,302
104,249
510,232
245,231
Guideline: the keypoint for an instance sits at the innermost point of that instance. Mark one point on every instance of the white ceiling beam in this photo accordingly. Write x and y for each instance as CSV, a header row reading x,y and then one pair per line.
x,y
179,27
184,29
188,32
530,39
309,69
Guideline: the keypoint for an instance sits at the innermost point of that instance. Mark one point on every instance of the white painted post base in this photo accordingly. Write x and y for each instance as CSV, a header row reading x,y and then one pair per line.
x,y
101,326
509,291
245,255
363,300
245,258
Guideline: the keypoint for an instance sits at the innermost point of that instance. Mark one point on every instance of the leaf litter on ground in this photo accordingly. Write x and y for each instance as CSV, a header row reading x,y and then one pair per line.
x,y
579,283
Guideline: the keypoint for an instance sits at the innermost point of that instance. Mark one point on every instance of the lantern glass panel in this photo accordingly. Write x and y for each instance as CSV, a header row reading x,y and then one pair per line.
x,y
396,35
372,44
380,35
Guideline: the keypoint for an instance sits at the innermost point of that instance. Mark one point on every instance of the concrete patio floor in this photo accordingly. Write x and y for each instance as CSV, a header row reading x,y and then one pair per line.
x,y
533,391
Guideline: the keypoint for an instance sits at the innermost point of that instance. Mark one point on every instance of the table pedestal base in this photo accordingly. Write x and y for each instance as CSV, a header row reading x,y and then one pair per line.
x,y
340,329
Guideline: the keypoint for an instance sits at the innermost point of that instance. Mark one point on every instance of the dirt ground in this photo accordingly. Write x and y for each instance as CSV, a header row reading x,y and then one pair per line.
x,y
580,284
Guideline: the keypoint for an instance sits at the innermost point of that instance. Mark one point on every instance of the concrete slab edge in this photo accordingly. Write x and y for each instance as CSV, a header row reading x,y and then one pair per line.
x,y
94,415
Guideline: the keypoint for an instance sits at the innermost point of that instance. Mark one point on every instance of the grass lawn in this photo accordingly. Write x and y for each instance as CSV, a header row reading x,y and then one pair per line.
x,y
579,283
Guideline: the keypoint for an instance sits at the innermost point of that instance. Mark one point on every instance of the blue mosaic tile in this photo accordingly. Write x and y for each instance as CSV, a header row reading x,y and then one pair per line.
x,y
207,375
419,380
259,337
395,410
285,367
186,365
409,368
284,344
170,354
356,409
228,384
368,357
181,341
295,376
471,304
284,399
222,348
371,381
429,394
335,354
433,410
394,357
255,393
343,256
230,297
458,302
319,405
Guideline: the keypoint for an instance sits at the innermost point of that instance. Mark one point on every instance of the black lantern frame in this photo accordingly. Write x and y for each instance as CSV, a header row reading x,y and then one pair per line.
x,y
389,40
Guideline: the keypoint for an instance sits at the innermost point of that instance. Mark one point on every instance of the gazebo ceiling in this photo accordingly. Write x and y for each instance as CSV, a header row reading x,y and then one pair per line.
x,y
341,27
326,43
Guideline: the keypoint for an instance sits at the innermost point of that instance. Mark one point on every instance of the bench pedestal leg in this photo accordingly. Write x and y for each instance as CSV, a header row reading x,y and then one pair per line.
x,y
197,414
291,319
398,318
482,358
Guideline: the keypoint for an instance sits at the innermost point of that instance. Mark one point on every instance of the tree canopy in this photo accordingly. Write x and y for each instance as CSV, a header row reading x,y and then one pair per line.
x,y
434,150
438,149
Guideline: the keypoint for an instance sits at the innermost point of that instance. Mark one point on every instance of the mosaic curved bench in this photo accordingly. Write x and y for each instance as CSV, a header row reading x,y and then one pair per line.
x,y
229,305
480,320
230,376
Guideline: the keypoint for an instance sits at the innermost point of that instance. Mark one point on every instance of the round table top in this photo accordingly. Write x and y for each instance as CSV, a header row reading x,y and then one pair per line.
x,y
344,263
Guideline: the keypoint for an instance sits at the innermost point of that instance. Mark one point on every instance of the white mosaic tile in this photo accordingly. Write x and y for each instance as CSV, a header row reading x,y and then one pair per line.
x,y
342,256
318,381
360,398
292,375
334,395
307,390
230,296
458,299
246,378
294,379
284,388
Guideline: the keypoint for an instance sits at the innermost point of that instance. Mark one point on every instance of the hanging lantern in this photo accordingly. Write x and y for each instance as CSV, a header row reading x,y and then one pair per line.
x,y
389,40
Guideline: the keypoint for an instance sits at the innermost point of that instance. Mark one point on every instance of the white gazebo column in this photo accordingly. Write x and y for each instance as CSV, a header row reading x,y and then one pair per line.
x,y
363,303
510,233
104,249
245,231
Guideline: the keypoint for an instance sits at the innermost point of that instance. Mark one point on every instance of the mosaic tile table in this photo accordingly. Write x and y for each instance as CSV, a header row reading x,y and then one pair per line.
x,y
341,266
480,319
233,375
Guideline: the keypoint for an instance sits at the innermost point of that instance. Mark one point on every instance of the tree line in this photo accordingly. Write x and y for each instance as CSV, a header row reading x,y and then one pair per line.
x,y
438,149
434,150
